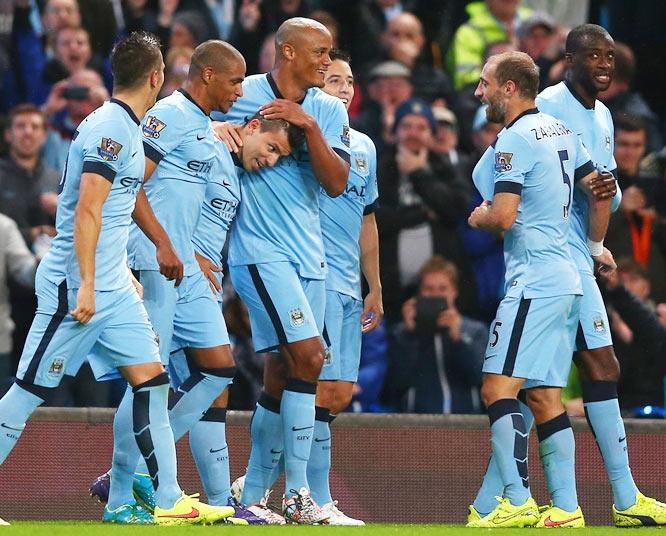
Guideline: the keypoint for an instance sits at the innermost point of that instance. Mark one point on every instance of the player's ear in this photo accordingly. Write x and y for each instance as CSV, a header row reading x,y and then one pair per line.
x,y
568,58
253,125
288,51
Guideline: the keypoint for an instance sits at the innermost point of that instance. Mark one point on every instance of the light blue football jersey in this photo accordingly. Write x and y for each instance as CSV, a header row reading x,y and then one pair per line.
x,y
107,142
178,136
220,205
342,217
278,219
594,126
539,158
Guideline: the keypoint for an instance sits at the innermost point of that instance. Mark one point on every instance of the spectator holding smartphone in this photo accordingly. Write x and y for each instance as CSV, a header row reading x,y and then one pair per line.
x,y
435,353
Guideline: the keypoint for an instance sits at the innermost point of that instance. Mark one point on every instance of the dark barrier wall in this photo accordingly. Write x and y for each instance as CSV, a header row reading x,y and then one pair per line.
x,y
390,468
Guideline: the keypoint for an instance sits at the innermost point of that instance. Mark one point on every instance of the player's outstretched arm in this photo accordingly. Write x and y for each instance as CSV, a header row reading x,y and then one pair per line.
x,y
331,170
93,192
373,307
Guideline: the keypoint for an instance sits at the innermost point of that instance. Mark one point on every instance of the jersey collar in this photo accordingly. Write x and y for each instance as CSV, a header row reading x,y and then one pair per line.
x,y
526,112
577,95
129,110
189,98
276,90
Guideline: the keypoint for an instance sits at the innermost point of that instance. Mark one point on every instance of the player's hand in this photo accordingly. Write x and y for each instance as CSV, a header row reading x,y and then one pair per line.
x,y
604,263
287,110
373,311
478,215
228,133
409,314
209,269
170,264
85,304
604,185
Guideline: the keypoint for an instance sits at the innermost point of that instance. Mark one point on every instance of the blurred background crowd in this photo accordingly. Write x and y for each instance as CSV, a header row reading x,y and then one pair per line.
x,y
416,65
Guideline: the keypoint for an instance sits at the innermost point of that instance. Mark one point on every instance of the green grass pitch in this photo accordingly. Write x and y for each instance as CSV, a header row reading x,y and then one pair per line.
x,y
97,529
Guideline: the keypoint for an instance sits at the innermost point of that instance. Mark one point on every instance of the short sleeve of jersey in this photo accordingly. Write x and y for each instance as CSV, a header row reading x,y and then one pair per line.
x,y
514,158
105,148
372,195
583,163
161,128
336,127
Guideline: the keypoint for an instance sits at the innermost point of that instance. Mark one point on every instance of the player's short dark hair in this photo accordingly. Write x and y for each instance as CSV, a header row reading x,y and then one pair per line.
x,y
25,109
134,58
437,264
629,123
295,135
216,54
577,37
519,68
338,54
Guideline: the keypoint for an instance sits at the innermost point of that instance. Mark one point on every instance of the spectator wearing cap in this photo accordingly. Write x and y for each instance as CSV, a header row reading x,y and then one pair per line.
x,y
537,37
489,22
389,85
445,140
423,200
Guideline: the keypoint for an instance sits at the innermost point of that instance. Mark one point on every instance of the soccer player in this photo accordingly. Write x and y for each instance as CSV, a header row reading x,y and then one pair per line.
x,y
181,152
590,57
535,323
263,141
86,300
351,243
277,260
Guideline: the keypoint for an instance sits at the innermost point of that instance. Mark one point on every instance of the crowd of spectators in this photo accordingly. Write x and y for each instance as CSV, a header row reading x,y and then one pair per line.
x,y
416,64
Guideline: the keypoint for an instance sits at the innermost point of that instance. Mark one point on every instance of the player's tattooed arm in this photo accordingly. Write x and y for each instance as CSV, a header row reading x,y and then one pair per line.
x,y
330,169
93,192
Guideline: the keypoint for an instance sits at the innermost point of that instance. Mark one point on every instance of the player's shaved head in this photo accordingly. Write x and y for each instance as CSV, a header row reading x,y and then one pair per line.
x,y
297,31
215,54
581,36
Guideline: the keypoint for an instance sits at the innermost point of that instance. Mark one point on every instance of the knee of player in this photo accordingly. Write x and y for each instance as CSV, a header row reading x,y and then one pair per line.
x,y
309,366
341,403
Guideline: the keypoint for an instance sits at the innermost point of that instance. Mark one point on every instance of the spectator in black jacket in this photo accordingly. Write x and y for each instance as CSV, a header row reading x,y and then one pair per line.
x,y
423,200
435,353
641,355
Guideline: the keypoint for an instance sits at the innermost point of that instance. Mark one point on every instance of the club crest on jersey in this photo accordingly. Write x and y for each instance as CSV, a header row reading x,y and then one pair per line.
x,y
503,162
109,149
57,366
296,317
152,127
607,140
344,137
361,164
599,325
